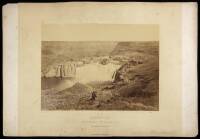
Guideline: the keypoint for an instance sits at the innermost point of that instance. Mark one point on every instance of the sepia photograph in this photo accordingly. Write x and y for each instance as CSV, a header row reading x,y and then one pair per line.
x,y
98,75
104,69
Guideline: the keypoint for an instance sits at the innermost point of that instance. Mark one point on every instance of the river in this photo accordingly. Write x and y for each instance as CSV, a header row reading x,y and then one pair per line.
x,y
84,74
95,72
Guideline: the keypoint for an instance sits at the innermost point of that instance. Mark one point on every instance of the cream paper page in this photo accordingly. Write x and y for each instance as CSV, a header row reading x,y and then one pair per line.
x,y
98,22
10,69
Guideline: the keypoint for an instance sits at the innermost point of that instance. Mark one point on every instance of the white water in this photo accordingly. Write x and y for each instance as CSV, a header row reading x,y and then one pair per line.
x,y
95,72
87,73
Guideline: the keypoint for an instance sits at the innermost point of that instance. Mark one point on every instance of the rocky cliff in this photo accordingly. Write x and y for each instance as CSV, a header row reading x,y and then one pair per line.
x,y
138,79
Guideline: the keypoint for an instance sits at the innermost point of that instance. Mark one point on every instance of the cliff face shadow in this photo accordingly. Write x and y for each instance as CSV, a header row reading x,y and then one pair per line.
x,y
100,76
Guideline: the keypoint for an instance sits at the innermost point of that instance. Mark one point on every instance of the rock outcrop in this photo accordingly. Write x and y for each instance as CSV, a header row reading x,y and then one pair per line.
x,y
62,70
66,70
139,79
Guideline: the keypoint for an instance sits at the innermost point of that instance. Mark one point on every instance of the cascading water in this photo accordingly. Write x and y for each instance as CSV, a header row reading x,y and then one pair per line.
x,y
65,76
96,72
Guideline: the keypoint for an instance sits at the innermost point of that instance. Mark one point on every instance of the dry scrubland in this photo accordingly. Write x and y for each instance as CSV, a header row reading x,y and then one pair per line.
x,y
136,83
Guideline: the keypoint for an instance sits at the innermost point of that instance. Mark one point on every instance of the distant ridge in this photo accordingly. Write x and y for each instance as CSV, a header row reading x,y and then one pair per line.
x,y
148,47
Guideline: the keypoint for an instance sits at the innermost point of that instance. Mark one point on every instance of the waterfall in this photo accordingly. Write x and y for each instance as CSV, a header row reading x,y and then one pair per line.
x,y
58,71
113,76
66,70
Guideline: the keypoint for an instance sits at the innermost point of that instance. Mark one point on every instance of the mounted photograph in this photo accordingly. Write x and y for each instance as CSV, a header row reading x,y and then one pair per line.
x,y
100,69
100,75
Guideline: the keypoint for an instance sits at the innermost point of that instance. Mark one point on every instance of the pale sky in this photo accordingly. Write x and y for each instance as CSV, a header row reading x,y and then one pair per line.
x,y
100,32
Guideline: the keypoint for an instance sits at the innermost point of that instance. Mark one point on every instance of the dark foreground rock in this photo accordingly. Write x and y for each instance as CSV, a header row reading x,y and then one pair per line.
x,y
138,80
